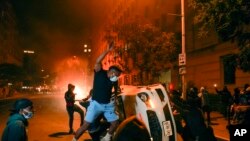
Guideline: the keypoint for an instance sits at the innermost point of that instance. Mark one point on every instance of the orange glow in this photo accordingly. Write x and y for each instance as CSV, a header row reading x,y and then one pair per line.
x,y
74,70
80,93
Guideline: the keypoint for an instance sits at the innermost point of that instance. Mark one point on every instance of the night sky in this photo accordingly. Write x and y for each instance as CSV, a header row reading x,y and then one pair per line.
x,y
56,29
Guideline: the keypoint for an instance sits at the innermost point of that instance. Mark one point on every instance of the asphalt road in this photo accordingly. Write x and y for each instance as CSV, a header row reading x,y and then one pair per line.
x,y
50,121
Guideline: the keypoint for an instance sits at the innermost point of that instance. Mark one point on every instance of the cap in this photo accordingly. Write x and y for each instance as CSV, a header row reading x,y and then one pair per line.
x,y
21,104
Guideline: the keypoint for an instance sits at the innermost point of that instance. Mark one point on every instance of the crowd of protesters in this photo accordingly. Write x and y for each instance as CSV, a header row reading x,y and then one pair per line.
x,y
240,107
196,108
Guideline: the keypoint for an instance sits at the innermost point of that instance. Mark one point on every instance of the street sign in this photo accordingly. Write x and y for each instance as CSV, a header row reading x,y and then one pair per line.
x,y
182,59
182,70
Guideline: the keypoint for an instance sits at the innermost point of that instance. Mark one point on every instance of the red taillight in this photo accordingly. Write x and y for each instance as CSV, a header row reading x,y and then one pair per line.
x,y
171,86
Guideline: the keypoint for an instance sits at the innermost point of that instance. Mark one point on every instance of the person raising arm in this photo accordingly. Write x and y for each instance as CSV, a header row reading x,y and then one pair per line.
x,y
104,81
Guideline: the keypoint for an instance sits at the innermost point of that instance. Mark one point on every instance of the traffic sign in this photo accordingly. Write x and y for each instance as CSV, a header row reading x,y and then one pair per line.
x,y
182,59
182,70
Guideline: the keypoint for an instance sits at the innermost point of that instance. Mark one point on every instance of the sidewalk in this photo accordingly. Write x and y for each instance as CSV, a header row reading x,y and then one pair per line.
x,y
219,125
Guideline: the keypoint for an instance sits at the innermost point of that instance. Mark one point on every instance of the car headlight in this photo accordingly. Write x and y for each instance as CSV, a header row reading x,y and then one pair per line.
x,y
144,97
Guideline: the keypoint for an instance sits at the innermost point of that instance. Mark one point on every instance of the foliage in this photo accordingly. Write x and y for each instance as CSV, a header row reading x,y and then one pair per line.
x,y
151,49
231,21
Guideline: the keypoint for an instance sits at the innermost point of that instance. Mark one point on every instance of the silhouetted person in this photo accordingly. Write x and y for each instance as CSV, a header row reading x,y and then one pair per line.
x,y
226,100
236,96
177,103
195,128
132,129
72,107
205,103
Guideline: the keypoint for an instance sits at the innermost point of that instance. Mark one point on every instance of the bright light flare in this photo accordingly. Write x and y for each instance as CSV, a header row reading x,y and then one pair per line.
x,y
215,85
80,94
151,103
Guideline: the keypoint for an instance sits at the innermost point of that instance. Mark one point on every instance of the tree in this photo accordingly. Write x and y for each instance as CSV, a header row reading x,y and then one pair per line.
x,y
231,21
151,50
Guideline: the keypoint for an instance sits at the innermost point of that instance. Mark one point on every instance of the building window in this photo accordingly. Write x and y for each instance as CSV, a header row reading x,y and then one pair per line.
x,y
229,69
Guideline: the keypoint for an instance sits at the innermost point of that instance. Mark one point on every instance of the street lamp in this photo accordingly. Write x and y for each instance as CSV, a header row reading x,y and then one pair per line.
x,y
86,49
28,51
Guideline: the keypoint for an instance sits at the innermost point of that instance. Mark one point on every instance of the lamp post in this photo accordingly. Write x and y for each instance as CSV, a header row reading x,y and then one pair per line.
x,y
182,55
183,51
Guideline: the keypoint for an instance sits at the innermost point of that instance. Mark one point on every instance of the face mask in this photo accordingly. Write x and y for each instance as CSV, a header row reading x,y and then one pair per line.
x,y
114,78
28,114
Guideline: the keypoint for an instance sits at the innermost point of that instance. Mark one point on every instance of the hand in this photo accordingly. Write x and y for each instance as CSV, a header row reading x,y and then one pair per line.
x,y
175,112
74,139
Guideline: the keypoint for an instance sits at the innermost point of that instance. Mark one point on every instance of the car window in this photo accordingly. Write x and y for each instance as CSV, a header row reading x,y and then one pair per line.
x,y
160,94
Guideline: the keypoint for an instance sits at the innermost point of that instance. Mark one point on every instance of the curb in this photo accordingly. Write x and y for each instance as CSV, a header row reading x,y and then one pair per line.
x,y
220,138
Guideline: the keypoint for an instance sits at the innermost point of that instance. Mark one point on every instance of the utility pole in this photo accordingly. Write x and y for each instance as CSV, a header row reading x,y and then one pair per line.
x,y
182,56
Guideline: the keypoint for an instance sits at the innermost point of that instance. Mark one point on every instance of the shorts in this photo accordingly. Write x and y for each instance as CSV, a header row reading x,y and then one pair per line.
x,y
95,109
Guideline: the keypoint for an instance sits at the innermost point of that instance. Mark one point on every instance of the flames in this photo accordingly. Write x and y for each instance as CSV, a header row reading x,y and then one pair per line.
x,y
73,70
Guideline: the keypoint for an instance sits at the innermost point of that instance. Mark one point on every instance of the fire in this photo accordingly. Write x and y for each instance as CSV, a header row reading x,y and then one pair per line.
x,y
80,92
74,70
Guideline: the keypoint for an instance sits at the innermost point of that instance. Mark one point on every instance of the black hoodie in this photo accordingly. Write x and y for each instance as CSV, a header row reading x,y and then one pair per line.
x,y
15,129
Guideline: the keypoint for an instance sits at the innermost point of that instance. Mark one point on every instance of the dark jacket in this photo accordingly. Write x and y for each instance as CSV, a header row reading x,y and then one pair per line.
x,y
69,98
15,129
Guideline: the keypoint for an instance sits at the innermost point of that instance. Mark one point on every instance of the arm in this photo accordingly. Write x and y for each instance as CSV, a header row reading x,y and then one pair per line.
x,y
217,91
87,98
98,65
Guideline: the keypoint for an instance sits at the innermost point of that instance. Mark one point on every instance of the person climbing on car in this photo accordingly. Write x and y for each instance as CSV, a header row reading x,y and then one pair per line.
x,y
99,125
101,103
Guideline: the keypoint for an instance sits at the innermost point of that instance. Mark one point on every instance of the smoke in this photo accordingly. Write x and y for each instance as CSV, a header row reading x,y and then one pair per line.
x,y
74,70
57,29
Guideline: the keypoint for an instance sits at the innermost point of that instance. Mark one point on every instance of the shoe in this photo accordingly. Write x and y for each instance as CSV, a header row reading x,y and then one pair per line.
x,y
107,137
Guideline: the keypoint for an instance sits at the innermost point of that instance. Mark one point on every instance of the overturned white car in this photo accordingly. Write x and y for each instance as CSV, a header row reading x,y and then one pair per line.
x,y
151,105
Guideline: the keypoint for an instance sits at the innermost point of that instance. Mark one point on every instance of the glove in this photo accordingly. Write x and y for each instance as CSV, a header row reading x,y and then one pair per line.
x,y
74,139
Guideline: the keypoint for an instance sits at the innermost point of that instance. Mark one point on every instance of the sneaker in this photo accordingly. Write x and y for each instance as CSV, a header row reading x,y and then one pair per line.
x,y
107,137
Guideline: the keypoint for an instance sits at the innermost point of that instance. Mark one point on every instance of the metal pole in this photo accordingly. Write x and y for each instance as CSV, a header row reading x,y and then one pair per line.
x,y
183,46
